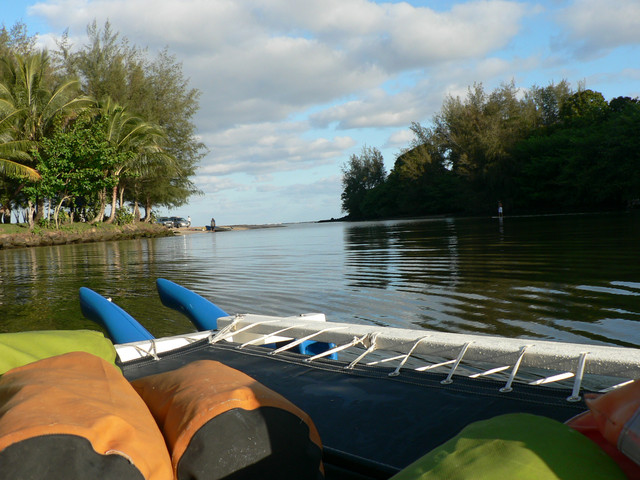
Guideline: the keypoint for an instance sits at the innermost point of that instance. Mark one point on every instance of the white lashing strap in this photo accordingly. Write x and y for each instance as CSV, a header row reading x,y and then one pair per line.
x,y
396,372
264,337
507,388
215,337
615,387
575,393
372,347
229,332
303,339
489,372
337,349
435,365
553,378
386,360
449,380
152,352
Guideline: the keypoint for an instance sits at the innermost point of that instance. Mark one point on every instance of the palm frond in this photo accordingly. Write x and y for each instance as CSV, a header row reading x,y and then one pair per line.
x,y
13,169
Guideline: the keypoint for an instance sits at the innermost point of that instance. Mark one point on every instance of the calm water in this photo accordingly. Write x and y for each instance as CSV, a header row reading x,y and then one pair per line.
x,y
573,278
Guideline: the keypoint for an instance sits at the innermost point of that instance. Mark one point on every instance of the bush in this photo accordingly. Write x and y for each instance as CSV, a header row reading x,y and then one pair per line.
x,y
46,223
123,216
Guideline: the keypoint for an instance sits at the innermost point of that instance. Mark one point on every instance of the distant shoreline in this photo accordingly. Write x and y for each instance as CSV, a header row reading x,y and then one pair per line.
x,y
222,228
19,236
85,233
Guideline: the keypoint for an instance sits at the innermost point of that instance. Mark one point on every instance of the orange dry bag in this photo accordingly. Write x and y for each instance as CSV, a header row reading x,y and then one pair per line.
x,y
74,416
220,423
613,422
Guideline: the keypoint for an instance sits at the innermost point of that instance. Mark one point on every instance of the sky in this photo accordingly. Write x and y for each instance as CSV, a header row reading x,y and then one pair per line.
x,y
291,89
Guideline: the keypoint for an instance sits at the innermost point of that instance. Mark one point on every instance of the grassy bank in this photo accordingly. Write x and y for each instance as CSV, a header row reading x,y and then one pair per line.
x,y
20,236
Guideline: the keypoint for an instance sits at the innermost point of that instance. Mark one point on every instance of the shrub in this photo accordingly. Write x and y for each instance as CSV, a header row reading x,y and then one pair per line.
x,y
123,216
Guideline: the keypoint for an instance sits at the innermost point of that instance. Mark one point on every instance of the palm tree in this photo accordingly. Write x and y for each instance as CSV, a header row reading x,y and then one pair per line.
x,y
36,98
138,142
31,101
14,158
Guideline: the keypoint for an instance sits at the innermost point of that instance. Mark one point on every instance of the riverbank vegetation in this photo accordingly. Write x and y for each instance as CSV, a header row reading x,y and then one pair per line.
x,y
545,149
92,130
20,235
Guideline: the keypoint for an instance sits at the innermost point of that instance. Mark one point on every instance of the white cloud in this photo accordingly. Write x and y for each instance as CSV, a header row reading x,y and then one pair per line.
x,y
400,139
597,26
399,35
263,148
262,60
215,184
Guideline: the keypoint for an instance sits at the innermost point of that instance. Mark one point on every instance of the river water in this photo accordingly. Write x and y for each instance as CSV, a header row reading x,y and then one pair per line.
x,y
571,278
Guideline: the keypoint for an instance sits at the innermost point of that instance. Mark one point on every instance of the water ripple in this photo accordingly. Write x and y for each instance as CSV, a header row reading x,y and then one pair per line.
x,y
573,280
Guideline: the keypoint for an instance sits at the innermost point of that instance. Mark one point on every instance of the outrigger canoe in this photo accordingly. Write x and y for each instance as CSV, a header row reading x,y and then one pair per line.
x,y
381,402
380,397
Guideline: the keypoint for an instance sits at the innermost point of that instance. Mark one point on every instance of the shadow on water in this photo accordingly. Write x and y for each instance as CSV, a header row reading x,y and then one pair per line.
x,y
573,278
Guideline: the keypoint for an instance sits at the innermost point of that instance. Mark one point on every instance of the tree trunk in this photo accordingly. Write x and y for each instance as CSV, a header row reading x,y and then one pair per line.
x,y
136,211
30,210
39,209
114,198
147,210
102,196
56,212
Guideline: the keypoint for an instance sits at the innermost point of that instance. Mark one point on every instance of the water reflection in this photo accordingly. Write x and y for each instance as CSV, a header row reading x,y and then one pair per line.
x,y
571,278
526,280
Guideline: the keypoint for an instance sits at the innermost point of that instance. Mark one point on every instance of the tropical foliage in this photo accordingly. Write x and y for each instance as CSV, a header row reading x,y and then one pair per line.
x,y
547,149
83,129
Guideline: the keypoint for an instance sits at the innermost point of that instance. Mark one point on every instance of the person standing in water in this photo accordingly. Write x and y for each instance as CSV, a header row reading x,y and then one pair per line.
x,y
499,209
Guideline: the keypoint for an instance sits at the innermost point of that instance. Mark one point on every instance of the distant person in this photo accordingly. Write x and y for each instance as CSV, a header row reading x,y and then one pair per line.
x,y
213,224
500,209
189,220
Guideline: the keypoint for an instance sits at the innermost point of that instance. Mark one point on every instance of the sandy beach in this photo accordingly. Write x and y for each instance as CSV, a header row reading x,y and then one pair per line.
x,y
221,228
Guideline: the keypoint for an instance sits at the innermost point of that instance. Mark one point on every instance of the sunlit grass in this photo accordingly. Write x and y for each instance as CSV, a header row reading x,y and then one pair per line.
x,y
80,227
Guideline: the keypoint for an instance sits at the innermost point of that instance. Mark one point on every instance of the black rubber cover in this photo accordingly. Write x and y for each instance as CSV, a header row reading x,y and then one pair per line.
x,y
53,457
264,443
371,425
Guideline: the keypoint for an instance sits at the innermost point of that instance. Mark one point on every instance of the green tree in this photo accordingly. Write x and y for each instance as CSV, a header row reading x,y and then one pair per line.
x,y
72,162
548,101
477,135
174,114
547,150
16,40
14,156
15,160
421,181
361,174
584,106
36,101
589,161
134,139
153,90
105,65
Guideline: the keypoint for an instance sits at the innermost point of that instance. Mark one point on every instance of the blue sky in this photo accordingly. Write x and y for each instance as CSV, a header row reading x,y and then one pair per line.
x,y
291,89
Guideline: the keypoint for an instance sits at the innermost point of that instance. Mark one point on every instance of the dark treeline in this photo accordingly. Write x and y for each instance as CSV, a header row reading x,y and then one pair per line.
x,y
549,150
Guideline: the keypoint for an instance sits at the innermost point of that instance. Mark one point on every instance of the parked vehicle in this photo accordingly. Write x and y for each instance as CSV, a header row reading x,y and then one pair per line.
x,y
180,222
165,221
